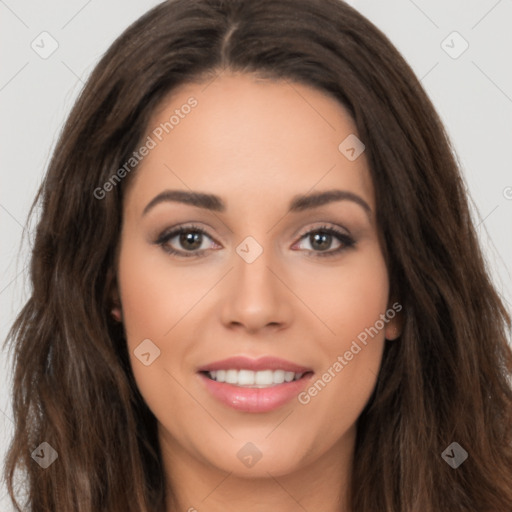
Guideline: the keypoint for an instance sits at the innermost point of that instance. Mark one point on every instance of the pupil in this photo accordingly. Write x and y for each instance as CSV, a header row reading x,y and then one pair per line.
x,y
324,243
193,240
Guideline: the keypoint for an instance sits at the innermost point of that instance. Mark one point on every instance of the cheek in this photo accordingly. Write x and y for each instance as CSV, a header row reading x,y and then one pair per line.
x,y
154,295
158,299
149,309
350,298
352,302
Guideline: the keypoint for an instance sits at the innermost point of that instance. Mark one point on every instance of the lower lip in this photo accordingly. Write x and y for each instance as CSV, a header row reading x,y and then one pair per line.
x,y
255,399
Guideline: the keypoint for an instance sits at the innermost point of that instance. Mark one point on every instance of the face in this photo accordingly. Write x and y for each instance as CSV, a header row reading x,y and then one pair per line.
x,y
255,319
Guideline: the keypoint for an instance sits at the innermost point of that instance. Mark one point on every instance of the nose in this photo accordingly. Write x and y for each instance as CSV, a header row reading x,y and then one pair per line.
x,y
256,297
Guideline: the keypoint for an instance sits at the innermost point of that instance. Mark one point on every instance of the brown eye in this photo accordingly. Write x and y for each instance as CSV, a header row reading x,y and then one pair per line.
x,y
190,240
184,241
321,240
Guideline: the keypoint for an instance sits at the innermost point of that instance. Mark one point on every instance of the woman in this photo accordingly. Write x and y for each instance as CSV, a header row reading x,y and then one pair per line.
x,y
256,282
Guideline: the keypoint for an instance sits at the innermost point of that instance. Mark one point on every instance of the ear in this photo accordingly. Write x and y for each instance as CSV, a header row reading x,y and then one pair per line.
x,y
114,299
394,325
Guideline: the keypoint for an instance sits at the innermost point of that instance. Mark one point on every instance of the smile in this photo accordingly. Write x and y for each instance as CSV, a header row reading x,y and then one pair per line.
x,y
254,385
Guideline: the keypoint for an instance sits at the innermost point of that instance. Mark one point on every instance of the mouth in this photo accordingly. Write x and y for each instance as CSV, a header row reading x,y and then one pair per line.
x,y
254,385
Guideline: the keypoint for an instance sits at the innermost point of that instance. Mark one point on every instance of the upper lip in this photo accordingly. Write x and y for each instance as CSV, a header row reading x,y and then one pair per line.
x,y
262,363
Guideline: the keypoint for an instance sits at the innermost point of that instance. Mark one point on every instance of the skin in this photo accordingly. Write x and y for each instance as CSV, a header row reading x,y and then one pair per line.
x,y
255,143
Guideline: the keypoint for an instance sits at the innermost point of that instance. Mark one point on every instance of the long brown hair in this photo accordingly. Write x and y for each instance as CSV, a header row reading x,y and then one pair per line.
x,y
444,380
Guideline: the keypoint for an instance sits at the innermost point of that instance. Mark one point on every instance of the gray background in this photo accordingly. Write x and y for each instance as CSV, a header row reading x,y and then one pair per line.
x,y
472,93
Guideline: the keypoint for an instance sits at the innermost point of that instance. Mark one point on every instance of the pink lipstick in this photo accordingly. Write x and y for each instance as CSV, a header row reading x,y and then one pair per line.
x,y
254,385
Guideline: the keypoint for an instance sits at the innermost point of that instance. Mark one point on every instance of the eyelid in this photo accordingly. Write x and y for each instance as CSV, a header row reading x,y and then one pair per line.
x,y
320,225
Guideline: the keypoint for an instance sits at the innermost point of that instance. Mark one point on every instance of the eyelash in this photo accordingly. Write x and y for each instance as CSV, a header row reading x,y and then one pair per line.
x,y
346,241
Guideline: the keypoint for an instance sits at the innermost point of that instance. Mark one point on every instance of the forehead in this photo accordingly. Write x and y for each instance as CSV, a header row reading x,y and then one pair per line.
x,y
254,141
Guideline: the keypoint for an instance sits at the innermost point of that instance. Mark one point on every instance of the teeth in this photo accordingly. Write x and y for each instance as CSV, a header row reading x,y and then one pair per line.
x,y
249,378
288,376
231,376
278,376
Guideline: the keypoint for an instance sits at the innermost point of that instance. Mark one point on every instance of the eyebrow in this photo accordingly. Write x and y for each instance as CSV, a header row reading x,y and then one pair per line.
x,y
298,203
